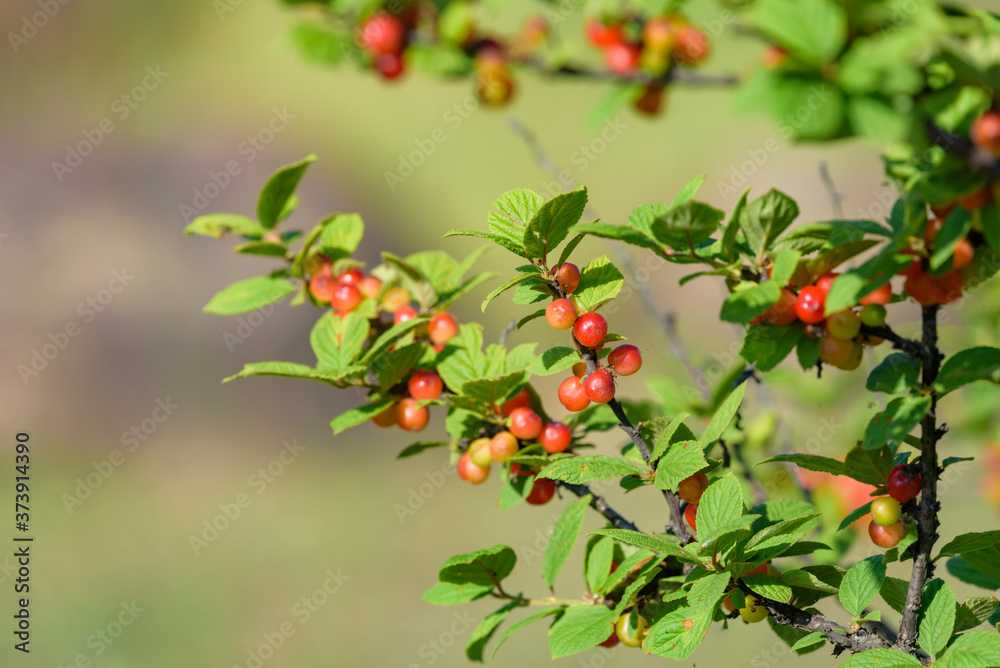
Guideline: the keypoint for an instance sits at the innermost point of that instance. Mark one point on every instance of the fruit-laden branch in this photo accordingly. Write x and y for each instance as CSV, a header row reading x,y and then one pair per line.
x,y
677,73
927,510
600,504
961,146
908,346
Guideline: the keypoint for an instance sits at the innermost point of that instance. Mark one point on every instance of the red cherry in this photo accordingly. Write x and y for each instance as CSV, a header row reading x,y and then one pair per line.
x,y
902,484
886,536
390,65
611,641
622,58
976,200
690,513
370,287
580,369
560,314
985,132
809,305
351,277
321,288
590,329
425,385
525,423
836,352
555,437
345,298
601,34
469,472
386,418
915,267
541,492
600,386
931,230
522,398
573,395
963,254
692,45
773,56
782,312
942,209
760,569
410,416
442,328
404,313
825,282
568,277
880,295
692,487
928,291
625,360
503,446
382,33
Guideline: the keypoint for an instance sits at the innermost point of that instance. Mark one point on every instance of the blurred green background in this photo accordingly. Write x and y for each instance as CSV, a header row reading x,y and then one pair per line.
x,y
336,506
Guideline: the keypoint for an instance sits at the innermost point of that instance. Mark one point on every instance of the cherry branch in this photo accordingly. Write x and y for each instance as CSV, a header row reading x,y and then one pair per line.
x,y
600,504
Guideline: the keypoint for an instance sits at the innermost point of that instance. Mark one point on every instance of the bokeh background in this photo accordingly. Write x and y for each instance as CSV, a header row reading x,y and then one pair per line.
x,y
226,69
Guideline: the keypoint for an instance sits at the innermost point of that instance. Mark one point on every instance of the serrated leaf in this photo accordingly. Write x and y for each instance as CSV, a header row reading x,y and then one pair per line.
x,y
554,360
937,618
969,542
450,593
721,505
814,31
890,427
810,462
975,611
674,431
654,543
484,631
628,235
550,224
249,295
826,579
512,246
896,373
341,235
765,218
768,587
421,446
218,225
744,305
882,658
689,190
512,283
767,345
813,639
723,416
356,416
968,366
966,572
597,562
681,460
682,227
292,370
978,649
600,282
579,628
861,584
279,189
855,515
893,592
771,541
484,567
564,535
578,470
391,336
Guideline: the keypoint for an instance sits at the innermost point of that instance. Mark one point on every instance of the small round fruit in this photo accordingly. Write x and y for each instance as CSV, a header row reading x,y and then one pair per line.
x,y
470,472
351,277
425,385
631,629
345,298
753,612
915,267
773,56
825,282
382,33
370,287
542,492
395,299
658,33
691,514
555,437
410,416
931,230
525,423
622,58
692,45
479,452
503,446
885,510
600,386
404,313
522,398
760,569
976,200
843,324
590,329
902,484
604,34
836,352
568,277
580,369
386,418
321,287
886,536
692,487
650,100
442,328
390,65
560,314
611,641
963,254
625,360
782,312
927,290
494,87
880,295
810,304
573,395
873,315
985,132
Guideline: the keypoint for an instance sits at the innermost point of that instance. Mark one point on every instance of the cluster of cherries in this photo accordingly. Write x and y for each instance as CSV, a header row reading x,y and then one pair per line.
x,y
887,528
628,45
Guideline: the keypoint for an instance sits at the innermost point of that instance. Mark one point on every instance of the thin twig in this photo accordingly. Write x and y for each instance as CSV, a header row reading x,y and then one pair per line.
x,y
600,504
835,197
507,331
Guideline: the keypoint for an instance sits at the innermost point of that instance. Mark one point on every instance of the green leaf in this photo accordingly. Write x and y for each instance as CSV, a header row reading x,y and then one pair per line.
x,y
765,218
813,639
514,491
628,235
852,285
768,587
721,505
249,295
893,591
578,470
937,619
767,345
855,515
814,31
772,541
356,416
421,446
682,227
744,305
968,366
580,628
975,611
869,466
970,542
292,370
512,283
439,60
450,593
810,462
484,567
681,460
392,336
896,373
527,621
882,658
551,223
337,341
265,248
647,574
723,416
392,367
597,562
678,634
554,360
218,225
513,246
892,425
689,190
654,543
481,635
826,579
564,535
861,584
600,282
341,235
673,432
978,649
966,572
783,267
319,43
279,189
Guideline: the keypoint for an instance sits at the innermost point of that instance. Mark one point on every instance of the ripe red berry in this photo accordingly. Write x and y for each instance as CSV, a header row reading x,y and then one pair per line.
x,y
825,282
601,34
692,45
522,398
963,254
390,65
760,569
503,446
975,200
555,437
611,641
386,418
837,352
321,287
986,132
345,298
525,423
442,328
931,229
410,416
782,312
692,487
600,386
580,369
351,277
622,58
572,394
404,313
915,267
902,484
469,472
690,513
542,492
928,290
810,304
370,287
568,277
560,314
382,33
886,536
880,295
625,360
425,385
590,329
